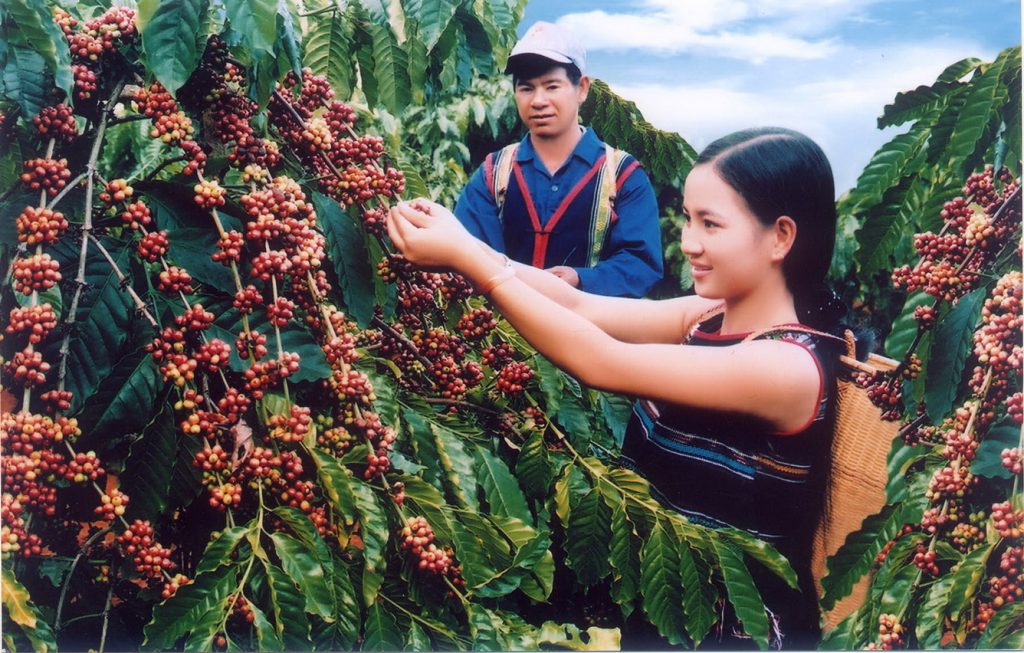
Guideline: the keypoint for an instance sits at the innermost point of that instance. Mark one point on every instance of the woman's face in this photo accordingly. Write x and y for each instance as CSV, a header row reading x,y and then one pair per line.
x,y
730,251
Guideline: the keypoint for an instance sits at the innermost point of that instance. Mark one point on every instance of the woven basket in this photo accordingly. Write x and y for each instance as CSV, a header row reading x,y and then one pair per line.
x,y
858,474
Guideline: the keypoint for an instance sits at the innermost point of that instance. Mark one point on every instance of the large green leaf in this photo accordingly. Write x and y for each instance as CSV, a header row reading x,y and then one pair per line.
x,y
532,559
699,594
980,104
967,577
916,104
222,544
575,419
480,546
328,51
381,631
181,613
660,583
255,21
1004,631
533,468
425,499
432,16
26,80
347,248
266,635
372,524
301,564
172,31
289,56
458,465
624,557
888,164
550,380
191,248
37,29
931,613
587,542
504,496
988,460
125,400
881,232
742,593
147,476
904,328
763,552
390,69
857,554
18,608
952,344
288,608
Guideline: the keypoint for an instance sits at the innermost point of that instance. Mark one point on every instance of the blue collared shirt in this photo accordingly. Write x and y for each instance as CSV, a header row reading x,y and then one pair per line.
x,y
631,260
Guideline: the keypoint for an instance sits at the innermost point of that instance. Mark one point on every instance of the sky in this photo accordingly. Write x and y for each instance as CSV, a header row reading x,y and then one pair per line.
x,y
704,68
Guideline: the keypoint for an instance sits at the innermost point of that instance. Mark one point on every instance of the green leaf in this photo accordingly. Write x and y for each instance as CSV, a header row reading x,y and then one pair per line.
x,y
222,544
532,559
296,338
533,468
981,102
329,52
125,400
550,381
432,16
504,496
660,584
988,462
1005,630
880,233
423,445
19,608
181,613
624,556
371,523
888,164
743,594
576,419
418,639
347,248
568,490
932,612
425,499
25,80
171,33
587,543
37,29
345,629
300,563
266,635
381,631
967,577
485,628
288,607
191,248
904,328
952,344
957,71
390,69
916,104
763,552
569,636
458,465
616,411
699,595
858,553
255,21
480,547
147,476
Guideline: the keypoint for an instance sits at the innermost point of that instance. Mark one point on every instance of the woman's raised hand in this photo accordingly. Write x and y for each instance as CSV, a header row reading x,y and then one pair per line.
x,y
429,235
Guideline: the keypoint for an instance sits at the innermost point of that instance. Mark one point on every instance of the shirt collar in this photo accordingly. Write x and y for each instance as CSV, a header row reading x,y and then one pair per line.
x,y
588,149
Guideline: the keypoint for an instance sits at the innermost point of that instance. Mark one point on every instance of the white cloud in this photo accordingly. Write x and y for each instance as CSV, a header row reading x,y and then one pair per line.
x,y
837,108
719,27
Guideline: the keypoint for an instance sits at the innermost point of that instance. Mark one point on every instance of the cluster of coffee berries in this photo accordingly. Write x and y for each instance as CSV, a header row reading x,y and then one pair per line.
x,y
418,540
56,122
170,125
476,325
112,505
512,378
890,634
150,559
49,175
1009,523
884,391
40,226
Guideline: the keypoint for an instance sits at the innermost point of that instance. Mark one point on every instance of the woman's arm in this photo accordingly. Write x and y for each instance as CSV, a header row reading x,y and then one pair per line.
x,y
767,379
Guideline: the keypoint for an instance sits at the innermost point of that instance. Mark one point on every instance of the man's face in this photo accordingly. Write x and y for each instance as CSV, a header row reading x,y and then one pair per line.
x,y
548,104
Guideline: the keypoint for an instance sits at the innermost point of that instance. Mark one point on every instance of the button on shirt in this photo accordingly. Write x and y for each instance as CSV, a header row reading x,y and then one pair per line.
x,y
631,259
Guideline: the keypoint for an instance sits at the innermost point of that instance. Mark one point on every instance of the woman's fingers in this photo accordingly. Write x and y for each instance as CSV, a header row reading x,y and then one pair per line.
x,y
395,228
413,215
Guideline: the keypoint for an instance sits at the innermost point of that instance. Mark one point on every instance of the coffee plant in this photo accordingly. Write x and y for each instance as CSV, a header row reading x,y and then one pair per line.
x,y
234,419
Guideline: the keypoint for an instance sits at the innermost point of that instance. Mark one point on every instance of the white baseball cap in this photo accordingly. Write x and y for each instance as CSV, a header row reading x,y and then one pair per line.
x,y
551,42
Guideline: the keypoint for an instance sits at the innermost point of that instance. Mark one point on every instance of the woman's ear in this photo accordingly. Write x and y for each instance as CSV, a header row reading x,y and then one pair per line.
x,y
783,237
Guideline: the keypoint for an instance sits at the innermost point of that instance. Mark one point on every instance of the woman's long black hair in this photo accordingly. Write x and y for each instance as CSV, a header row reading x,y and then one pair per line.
x,y
778,172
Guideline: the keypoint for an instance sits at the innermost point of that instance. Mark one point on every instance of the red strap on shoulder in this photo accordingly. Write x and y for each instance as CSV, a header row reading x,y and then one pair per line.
x,y
630,169
489,173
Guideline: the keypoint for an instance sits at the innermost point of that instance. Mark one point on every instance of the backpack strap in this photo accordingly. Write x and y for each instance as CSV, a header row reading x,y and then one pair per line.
x,y
498,171
609,182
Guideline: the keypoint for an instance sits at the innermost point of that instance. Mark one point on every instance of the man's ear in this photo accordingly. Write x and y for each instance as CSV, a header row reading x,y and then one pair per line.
x,y
583,89
783,237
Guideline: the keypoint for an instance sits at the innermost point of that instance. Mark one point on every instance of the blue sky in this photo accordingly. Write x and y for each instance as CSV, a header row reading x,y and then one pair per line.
x,y
704,68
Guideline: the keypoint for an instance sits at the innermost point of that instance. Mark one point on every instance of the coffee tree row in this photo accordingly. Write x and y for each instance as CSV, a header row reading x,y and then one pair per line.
x,y
234,419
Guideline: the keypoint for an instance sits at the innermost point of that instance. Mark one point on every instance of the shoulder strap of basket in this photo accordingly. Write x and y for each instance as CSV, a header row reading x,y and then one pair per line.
x,y
608,185
499,171
848,338
702,318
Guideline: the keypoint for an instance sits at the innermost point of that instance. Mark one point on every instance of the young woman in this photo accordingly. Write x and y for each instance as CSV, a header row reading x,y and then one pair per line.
x,y
727,429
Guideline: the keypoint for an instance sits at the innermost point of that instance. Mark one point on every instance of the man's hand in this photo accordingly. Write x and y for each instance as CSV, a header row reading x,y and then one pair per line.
x,y
566,274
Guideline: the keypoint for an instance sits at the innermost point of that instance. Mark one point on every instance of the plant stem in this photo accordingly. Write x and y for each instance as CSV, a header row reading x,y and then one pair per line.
x,y
140,305
106,614
67,580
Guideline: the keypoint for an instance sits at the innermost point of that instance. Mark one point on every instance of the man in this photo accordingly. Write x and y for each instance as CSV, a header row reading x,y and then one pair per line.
x,y
561,199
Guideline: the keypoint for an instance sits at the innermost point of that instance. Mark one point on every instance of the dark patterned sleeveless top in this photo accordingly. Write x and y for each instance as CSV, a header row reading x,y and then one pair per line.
x,y
725,469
